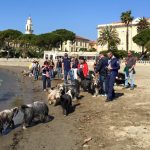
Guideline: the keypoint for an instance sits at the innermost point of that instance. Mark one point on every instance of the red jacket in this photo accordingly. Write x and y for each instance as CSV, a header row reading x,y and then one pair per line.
x,y
84,69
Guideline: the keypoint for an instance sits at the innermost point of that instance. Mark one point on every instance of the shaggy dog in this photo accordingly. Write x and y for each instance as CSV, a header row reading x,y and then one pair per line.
x,y
95,87
74,87
35,110
66,102
6,118
86,85
54,95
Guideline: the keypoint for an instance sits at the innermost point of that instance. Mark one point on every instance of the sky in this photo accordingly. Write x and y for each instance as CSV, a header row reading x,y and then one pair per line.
x,y
79,16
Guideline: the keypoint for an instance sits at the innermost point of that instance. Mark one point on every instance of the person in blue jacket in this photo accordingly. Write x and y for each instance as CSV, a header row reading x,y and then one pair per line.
x,y
112,72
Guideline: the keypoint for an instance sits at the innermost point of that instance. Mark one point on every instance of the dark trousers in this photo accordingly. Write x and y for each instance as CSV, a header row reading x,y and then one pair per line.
x,y
45,79
102,80
110,80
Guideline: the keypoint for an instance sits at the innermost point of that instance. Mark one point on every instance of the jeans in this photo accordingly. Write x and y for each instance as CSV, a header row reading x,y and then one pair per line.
x,y
51,73
66,75
59,72
36,75
45,79
102,80
131,77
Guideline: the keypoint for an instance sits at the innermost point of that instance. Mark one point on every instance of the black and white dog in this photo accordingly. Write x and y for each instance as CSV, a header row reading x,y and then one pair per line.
x,y
74,87
6,118
35,110
120,79
95,87
66,102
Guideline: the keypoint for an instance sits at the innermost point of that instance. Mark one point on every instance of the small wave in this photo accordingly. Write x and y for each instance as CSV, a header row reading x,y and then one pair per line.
x,y
1,82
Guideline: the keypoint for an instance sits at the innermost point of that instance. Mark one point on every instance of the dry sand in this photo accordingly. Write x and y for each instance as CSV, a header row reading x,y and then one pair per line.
x,y
119,125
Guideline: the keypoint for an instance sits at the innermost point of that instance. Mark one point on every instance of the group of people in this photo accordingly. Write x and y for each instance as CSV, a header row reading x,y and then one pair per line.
x,y
106,69
34,69
66,68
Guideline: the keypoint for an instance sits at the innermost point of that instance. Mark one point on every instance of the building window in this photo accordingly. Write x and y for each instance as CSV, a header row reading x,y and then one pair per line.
x,y
80,43
76,43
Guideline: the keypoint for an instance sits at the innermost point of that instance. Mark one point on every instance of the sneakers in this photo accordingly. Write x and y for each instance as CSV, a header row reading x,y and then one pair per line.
x,y
131,88
104,95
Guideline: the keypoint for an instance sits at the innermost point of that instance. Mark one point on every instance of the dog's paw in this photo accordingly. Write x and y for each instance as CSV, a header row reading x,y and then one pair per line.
x,y
94,96
24,128
50,102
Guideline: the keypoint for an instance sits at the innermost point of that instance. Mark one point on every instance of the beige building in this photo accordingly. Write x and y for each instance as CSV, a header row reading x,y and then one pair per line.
x,y
121,29
79,43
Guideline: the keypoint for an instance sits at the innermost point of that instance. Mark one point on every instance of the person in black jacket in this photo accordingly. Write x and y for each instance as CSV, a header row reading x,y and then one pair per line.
x,y
101,68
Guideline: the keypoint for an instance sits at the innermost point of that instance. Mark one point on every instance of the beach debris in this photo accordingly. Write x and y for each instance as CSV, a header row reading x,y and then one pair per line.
x,y
87,140
86,146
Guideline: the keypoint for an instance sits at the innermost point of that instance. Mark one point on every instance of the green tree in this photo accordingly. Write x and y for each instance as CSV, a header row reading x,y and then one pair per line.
x,y
26,42
108,35
127,19
48,41
147,46
9,37
142,24
65,35
142,39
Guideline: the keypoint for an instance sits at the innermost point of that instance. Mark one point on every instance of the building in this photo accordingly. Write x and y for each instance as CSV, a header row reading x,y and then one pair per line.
x,y
29,26
121,29
79,43
93,44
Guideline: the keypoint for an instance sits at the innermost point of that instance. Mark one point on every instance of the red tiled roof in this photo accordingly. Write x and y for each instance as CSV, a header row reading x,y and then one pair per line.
x,y
82,38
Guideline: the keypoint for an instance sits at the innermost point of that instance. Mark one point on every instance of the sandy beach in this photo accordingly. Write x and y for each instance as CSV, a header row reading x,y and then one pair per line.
x,y
119,125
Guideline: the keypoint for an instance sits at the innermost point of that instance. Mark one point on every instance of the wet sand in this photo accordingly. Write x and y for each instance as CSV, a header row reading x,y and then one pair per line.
x,y
119,125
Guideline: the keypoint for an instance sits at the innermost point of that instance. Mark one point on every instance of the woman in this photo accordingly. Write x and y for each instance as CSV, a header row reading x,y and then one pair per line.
x,y
46,75
75,63
83,70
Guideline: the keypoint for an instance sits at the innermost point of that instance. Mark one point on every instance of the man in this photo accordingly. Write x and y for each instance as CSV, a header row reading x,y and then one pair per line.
x,y
129,70
101,69
66,68
112,71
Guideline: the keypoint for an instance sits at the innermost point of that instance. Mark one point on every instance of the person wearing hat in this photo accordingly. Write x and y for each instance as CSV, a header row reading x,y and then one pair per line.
x,y
36,70
66,68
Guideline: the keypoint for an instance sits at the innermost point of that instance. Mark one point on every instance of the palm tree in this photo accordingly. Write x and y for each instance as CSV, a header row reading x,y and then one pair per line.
x,y
127,19
109,36
142,24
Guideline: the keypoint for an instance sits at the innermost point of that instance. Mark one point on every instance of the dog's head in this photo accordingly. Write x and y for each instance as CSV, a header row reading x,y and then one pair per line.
x,y
60,87
15,111
95,82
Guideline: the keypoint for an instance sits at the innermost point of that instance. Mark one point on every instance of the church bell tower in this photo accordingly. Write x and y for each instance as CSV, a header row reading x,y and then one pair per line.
x,y
29,26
